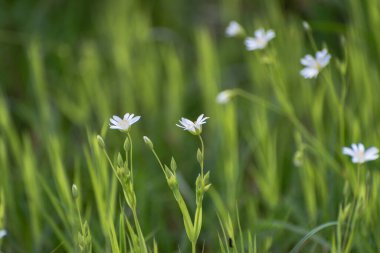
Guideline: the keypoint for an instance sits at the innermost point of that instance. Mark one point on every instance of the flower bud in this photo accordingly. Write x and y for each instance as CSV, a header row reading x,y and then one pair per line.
x,y
224,97
74,191
306,26
100,142
120,161
148,142
206,188
173,165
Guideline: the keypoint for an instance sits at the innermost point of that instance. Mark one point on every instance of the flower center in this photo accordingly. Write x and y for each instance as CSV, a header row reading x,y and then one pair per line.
x,y
124,124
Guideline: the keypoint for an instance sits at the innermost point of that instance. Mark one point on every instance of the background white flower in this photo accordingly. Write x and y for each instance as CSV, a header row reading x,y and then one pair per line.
x,y
3,233
260,40
234,29
359,154
193,127
125,123
314,65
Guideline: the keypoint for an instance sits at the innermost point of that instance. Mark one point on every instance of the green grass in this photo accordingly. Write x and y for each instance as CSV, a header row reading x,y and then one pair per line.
x,y
67,68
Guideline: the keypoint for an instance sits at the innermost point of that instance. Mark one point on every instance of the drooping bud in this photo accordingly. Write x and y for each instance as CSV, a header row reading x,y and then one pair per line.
x,y
148,142
100,142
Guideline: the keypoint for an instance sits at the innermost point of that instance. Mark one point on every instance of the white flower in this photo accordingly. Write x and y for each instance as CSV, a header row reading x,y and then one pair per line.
x,y
3,233
359,154
125,123
234,29
193,127
314,65
260,40
224,97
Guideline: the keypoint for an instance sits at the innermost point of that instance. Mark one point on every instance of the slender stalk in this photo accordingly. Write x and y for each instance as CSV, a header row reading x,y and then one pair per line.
x,y
293,119
193,244
159,161
80,217
130,155
139,231
203,153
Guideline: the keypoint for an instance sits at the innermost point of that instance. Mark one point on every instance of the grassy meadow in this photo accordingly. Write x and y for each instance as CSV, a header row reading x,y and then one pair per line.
x,y
272,153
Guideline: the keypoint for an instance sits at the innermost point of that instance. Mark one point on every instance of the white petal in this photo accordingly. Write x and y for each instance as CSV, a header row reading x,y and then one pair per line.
x,y
253,44
309,72
270,35
371,151
187,122
348,151
356,160
180,126
321,54
372,157
354,147
113,121
361,147
324,61
133,120
117,118
115,127
308,61
126,116
260,33
371,154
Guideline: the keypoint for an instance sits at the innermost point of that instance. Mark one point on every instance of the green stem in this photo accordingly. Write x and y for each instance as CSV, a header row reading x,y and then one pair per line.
x,y
293,119
130,155
203,153
139,232
311,38
80,217
193,244
159,161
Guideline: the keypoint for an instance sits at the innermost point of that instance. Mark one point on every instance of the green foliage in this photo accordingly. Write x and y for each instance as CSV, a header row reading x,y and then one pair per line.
x,y
279,180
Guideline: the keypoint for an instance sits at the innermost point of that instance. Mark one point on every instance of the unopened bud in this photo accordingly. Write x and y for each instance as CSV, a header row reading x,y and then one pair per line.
x,y
173,165
100,141
306,26
120,161
206,188
206,178
224,97
148,142
74,191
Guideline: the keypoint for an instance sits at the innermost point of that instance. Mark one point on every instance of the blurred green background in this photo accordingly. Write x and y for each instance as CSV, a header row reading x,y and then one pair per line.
x,y
67,66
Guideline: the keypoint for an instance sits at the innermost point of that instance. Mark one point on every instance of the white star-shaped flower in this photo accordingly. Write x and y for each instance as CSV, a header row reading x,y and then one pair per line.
x,y
359,154
3,233
260,40
234,29
193,127
314,65
125,123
